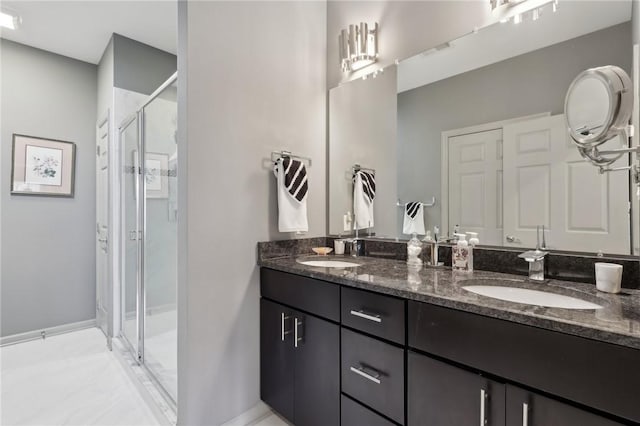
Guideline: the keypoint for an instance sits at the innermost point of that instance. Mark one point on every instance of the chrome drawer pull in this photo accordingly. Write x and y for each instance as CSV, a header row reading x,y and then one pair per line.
x,y
296,338
370,317
483,407
525,414
283,319
375,378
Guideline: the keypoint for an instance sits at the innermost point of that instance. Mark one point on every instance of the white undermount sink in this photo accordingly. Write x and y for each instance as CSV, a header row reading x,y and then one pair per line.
x,y
531,297
329,263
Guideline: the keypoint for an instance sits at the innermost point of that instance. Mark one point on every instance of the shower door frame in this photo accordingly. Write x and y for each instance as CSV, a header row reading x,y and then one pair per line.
x,y
141,225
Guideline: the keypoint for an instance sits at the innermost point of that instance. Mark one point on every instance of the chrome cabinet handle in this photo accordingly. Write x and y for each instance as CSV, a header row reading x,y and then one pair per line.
x,y
296,338
370,317
283,331
525,414
375,378
512,239
483,407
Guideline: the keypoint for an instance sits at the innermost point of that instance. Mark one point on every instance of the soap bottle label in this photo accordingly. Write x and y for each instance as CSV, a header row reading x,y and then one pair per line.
x,y
461,258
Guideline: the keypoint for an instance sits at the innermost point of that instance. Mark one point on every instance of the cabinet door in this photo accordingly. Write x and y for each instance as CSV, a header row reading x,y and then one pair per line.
x,y
439,394
276,357
316,345
526,408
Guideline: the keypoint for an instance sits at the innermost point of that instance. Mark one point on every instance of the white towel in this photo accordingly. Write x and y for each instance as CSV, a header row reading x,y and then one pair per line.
x,y
292,195
363,195
413,219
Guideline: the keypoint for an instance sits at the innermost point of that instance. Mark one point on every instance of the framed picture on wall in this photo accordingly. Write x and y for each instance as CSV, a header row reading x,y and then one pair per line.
x,y
42,166
156,174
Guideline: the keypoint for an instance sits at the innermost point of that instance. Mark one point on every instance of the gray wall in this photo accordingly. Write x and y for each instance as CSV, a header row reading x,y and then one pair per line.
x,y
635,18
264,91
139,67
406,27
371,101
532,83
48,248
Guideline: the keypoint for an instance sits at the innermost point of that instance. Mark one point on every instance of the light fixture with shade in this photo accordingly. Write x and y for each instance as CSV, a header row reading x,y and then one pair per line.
x,y
358,46
520,10
7,20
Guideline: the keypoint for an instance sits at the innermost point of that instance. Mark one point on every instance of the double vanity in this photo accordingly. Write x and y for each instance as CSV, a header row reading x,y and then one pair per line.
x,y
381,343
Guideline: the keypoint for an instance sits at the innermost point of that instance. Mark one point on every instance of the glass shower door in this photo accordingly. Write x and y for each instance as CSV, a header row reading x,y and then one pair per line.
x,y
129,143
160,257
149,255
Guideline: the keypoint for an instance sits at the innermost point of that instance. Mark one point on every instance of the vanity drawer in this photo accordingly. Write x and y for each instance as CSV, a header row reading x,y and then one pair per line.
x,y
595,374
355,414
376,314
373,373
306,294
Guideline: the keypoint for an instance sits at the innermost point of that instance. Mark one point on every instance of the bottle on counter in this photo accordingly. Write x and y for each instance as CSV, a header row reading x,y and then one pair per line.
x,y
462,254
414,248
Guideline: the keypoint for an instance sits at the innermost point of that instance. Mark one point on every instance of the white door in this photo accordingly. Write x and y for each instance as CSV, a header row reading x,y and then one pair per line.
x,y
103,293
475,184
546,182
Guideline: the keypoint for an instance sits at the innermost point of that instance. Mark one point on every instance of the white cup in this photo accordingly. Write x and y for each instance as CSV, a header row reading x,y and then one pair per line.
x,y
608,277
338,246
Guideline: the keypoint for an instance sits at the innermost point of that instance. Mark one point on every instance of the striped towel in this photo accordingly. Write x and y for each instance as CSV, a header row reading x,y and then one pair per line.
x,y
292,195
413,222
364,192
368,180
295,178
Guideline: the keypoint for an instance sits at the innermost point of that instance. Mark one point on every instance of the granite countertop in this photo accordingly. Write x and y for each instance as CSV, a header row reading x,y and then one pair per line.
x,y
617,322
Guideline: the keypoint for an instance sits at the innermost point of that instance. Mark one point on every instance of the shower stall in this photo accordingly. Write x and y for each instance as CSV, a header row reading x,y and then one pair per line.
x,y
148,252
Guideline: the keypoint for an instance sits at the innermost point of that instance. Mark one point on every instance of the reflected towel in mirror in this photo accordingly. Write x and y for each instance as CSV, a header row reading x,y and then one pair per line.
x,y
413,218
364,192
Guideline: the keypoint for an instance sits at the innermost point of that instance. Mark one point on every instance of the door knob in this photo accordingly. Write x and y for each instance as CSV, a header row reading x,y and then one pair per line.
x,y
512,239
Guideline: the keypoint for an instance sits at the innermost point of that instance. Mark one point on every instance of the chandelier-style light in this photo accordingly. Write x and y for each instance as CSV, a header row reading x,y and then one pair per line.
x,y
358,46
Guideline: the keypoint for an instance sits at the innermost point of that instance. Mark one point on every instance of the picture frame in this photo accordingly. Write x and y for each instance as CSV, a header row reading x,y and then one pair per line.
x,y
156,172
42,166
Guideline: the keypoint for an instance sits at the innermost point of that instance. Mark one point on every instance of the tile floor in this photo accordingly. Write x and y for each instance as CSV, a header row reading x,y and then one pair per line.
x,y
272,420
69,379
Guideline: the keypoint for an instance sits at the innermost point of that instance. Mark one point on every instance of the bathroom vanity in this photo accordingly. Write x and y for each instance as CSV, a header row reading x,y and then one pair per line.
x,y
381,344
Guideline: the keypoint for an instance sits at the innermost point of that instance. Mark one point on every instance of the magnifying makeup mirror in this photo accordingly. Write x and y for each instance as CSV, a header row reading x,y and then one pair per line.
x,y
598,107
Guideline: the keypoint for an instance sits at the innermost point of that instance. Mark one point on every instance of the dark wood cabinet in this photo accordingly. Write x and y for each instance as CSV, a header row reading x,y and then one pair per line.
x,y
439,394
299,365
373,373
317,375
334,355
276,358
356,414
525,408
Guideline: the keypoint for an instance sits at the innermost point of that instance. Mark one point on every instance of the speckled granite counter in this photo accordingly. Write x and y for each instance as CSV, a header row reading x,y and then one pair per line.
x,y
617,322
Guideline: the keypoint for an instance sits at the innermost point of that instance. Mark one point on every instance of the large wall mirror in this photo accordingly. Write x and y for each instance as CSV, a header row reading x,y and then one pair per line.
x,y
478,123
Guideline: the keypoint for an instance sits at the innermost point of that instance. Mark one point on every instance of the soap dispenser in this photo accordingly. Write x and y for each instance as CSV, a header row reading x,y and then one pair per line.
x,y
414,248
461,256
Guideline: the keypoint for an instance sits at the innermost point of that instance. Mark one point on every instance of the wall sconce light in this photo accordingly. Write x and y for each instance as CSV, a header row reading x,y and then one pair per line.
x,y
358,46
9,21
519,10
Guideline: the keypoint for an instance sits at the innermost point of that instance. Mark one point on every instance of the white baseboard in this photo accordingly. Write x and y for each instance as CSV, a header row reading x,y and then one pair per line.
x,y
251,416
46,332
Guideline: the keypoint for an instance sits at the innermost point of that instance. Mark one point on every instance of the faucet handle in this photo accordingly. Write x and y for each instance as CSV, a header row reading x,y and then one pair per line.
x,y
533,255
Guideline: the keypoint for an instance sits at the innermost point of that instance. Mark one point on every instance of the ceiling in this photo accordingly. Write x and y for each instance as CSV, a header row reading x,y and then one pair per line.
x,y
502,41
81,29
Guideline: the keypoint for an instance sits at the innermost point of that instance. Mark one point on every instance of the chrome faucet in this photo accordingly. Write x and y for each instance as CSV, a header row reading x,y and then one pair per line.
x,y
356,245
535,258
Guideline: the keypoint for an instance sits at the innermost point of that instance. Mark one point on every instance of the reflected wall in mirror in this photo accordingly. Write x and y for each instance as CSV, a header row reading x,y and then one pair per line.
x,y
480,126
